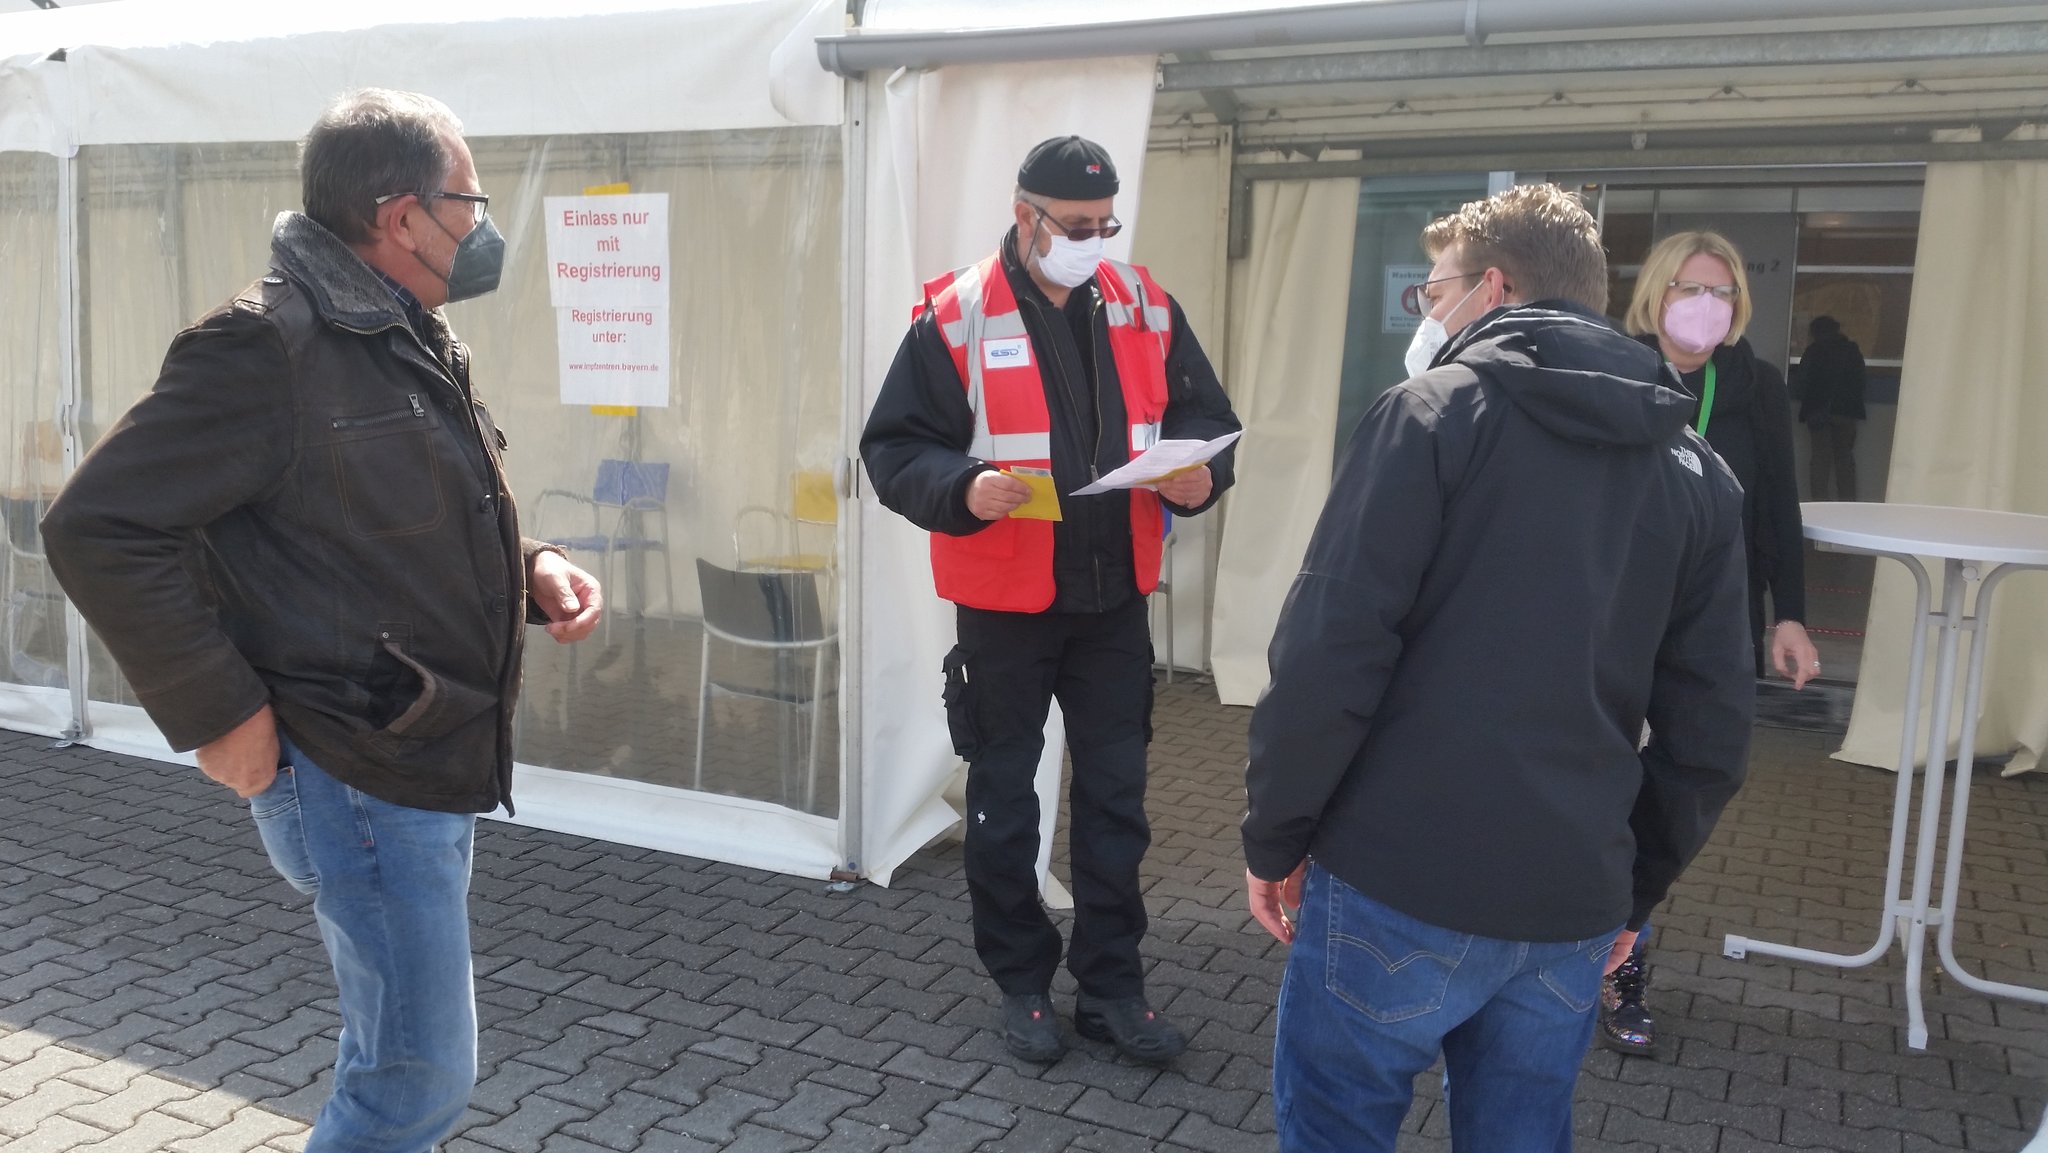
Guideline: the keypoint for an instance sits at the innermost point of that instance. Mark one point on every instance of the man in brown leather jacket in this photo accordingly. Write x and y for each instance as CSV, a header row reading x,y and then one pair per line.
x,y
300,548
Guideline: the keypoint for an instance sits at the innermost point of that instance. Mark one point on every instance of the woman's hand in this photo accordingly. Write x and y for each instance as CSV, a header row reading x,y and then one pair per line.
x,y
1793,654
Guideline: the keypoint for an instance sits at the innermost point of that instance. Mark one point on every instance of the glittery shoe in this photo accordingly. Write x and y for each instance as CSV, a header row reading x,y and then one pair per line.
x,y
1625,1025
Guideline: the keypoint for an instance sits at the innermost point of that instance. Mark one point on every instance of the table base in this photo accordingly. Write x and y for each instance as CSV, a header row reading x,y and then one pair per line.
x,y
1909,919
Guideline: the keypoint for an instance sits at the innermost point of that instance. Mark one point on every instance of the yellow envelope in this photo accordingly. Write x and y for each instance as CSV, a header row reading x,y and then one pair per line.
x,y
1186,468
1045,499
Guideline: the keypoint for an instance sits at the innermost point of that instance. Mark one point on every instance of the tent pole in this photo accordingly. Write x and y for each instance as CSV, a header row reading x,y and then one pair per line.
x,y
70,254
853,409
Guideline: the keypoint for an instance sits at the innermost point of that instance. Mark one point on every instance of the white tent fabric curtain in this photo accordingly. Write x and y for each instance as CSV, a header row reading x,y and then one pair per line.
x,y
1291,298
948,144
1973,417
1185,242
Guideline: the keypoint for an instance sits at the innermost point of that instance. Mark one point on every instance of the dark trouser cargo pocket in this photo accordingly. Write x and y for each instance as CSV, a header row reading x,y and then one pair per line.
x,y
959,698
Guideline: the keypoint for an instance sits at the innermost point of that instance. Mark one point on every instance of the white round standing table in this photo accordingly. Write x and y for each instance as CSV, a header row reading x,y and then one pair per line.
x,y
1978,547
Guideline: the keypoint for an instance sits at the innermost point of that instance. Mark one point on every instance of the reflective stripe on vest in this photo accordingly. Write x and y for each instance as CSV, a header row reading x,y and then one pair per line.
x,y
1008,565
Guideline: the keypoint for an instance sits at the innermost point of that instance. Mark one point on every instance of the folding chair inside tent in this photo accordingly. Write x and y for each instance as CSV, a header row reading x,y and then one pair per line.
x,y
632,492
774,611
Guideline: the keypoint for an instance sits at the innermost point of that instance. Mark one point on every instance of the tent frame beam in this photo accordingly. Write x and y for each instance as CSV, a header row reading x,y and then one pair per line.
x,y
1739,156
865,50
1814,159
1222,103
1670,53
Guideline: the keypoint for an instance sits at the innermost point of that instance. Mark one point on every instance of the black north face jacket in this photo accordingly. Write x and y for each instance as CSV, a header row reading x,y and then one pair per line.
x,y
1525,554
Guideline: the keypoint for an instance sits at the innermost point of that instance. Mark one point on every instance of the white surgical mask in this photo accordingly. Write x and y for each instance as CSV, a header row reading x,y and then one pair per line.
x,y
1430,338
1071,262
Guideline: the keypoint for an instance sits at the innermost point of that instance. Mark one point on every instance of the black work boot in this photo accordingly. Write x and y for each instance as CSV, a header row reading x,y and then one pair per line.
x,y
1129,1023
1625,1025
1030,1028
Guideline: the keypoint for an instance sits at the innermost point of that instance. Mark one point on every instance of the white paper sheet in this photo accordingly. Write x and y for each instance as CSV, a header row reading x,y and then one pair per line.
x,y
1160,461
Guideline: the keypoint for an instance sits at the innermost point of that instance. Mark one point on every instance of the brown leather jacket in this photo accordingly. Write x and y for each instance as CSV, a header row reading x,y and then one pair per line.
x,y
309,509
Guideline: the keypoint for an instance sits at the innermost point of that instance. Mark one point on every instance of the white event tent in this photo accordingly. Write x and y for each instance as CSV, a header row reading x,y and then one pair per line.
x,y
145,147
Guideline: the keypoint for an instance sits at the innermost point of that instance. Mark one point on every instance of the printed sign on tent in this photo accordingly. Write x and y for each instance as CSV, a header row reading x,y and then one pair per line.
x,y
608,278
608,250
613,356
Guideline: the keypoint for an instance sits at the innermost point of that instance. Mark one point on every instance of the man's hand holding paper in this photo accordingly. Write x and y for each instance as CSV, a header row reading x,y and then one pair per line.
x,y
1188,489
1165,463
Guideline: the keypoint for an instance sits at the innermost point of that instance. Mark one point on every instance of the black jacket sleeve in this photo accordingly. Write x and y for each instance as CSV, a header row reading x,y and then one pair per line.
x,y
1778,499
916,439
216,432
1702,703
1339,636
1196,408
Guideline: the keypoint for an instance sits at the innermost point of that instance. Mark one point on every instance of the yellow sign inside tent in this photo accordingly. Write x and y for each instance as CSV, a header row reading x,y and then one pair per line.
x,y
619,189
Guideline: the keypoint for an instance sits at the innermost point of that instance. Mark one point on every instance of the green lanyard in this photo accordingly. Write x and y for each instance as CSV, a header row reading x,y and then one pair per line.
x,y
1706,401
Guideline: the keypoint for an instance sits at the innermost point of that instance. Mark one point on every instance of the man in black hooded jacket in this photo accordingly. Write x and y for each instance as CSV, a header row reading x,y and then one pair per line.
x,y
1525,555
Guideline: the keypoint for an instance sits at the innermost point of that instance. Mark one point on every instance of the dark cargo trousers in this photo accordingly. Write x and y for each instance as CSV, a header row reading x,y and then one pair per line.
x,y
1000,682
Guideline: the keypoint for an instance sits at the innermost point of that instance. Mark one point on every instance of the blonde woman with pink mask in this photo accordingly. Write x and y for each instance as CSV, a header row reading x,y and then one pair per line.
x,y
1691,304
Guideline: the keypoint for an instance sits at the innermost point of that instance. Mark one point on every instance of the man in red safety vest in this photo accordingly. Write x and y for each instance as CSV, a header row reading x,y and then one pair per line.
x,y
1047,358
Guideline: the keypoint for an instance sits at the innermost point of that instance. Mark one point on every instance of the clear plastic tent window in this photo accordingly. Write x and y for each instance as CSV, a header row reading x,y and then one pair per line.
x,y
750,428
33,628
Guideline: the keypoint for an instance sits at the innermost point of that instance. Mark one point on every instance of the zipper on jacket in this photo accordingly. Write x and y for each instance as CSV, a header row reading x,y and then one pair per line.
x,y
415,411
1066,385
1095,361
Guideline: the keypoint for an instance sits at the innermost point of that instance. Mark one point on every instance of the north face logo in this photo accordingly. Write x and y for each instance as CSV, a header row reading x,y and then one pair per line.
x,y
1689,459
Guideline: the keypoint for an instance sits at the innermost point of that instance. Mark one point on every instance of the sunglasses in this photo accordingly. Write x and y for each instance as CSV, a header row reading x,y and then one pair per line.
x,y
1078,234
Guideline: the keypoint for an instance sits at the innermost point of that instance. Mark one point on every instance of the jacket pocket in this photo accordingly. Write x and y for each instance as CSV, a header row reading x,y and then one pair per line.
x,y
388,466
436,705
959,698
998,540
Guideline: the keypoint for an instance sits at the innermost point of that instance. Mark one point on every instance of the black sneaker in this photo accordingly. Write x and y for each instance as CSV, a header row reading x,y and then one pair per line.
x,y
1137,1031
1030,1029
1625,1025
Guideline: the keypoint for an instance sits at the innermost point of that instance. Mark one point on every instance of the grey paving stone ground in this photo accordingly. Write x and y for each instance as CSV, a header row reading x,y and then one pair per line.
x,y
161,990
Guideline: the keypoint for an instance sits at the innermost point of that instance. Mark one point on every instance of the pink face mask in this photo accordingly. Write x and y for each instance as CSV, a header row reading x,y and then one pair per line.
x,y
1698,323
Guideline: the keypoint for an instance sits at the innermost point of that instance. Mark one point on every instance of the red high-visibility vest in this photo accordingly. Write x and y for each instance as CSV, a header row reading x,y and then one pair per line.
x,y
1008,565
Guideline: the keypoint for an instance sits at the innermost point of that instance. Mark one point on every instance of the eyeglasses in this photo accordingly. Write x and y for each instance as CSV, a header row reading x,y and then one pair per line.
x,y
1079,234
1416,299
1687,289
479,205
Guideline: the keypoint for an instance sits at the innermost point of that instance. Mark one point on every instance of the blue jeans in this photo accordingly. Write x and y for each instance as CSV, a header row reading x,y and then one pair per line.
x,y
1370,998
390,889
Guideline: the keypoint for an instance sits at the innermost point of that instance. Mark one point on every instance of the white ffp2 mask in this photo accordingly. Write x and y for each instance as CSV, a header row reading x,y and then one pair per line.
x,y
1430,338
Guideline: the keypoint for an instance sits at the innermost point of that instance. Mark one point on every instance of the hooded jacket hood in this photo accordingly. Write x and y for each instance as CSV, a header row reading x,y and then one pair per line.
x,y
1573,374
